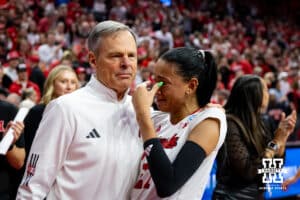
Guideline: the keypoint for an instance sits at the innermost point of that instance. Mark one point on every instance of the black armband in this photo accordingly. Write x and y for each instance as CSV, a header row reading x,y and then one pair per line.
x,y
169,177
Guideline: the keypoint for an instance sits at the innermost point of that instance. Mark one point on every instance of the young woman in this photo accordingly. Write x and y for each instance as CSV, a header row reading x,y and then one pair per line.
x,y
61,80
248,140
184,137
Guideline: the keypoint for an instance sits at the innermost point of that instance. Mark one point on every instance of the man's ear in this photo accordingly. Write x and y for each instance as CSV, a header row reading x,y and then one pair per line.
x,y
92,59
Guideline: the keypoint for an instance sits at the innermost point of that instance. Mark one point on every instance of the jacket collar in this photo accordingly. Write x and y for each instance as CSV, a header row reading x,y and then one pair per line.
x,y
105,92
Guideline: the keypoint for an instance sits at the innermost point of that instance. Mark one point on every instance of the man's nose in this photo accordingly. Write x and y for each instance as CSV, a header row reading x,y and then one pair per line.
x,y
125,62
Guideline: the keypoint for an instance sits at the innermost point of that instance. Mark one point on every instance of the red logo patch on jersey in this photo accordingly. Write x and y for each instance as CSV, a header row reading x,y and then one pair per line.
x,y
31,168
158,129
185,125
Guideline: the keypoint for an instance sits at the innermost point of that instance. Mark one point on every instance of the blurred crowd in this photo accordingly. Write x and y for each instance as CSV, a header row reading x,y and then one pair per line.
x,y
38,35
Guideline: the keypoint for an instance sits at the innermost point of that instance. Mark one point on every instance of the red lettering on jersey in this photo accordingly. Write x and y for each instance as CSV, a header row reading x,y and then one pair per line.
x,y
147,184
139,184
144,155
169,143
2,129
145,166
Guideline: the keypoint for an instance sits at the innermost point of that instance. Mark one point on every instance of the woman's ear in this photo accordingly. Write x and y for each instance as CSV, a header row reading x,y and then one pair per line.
x,y
193,84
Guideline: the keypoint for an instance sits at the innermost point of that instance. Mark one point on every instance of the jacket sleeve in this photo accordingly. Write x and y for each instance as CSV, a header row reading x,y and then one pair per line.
x,y
48,152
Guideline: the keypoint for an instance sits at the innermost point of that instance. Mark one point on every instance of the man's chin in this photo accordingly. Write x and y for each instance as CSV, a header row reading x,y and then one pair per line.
x,y
126,83
124,86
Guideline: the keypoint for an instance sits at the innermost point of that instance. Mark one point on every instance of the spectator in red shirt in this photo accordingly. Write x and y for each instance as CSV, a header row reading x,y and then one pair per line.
x,y
10,73
22,82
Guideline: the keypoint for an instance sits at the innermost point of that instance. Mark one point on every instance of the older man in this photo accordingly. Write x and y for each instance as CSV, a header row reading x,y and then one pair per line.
x,y
87,145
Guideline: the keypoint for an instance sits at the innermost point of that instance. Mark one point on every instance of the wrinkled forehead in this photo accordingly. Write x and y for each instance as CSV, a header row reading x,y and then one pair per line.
x,y
117,40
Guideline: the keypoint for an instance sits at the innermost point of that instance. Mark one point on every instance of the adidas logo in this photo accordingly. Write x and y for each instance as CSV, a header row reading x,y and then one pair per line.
x,y
93,134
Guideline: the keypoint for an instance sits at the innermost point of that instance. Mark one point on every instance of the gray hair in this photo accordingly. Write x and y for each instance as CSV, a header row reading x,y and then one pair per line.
x,y
103,29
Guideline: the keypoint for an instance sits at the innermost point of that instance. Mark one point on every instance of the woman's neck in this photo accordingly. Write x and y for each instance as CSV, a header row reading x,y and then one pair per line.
x,y
176,117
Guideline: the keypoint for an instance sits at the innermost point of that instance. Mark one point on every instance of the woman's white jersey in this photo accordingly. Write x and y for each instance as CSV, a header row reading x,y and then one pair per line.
x,y
173,138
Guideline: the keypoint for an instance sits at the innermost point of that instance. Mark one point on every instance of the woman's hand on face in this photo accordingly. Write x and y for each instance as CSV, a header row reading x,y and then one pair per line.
x,y
142,97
